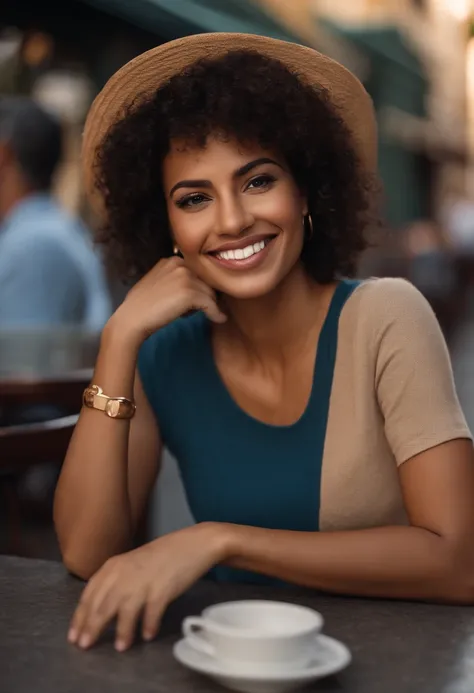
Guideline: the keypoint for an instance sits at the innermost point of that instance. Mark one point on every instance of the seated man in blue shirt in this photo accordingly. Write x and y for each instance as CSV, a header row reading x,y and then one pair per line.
x,y
50,275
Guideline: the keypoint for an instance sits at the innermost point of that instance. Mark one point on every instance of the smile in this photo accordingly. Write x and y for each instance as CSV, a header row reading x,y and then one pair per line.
x,y
244,258
242,253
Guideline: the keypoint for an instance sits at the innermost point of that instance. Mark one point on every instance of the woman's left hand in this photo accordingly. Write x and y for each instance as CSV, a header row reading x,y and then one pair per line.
x,y
143,582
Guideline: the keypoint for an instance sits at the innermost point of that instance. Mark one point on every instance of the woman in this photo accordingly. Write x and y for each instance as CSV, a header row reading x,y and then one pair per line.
x,y
237,190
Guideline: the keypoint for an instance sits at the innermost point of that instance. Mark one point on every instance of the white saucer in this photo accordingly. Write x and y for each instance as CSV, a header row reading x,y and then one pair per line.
x,y
331,657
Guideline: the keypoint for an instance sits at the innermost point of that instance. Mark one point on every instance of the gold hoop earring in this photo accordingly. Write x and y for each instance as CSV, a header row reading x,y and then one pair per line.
x,y
308,224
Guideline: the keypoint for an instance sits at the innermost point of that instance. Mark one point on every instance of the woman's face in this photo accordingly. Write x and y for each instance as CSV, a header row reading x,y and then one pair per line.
x,y
236,215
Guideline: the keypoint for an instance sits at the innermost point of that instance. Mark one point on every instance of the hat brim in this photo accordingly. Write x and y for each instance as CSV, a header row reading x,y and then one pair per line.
x,y
147,72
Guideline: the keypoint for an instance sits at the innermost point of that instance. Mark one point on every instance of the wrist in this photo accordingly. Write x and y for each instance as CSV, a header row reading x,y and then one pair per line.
x,y
221,538
117,360
117,333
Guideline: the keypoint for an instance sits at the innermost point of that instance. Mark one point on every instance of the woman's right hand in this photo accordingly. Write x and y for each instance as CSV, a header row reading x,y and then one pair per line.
x,y
168,291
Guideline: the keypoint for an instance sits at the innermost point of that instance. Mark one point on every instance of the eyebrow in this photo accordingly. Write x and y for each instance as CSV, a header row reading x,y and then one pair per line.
x,y
242,171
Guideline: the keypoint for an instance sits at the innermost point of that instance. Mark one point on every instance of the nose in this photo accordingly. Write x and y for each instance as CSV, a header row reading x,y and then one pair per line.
x,y
233,216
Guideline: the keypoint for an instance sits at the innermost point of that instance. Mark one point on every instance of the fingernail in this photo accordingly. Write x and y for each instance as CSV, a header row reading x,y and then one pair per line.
x,y
148,636
120,645
85,641
72,635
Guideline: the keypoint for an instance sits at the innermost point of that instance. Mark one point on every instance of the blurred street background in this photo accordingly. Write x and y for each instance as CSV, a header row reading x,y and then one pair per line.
x,y
415,58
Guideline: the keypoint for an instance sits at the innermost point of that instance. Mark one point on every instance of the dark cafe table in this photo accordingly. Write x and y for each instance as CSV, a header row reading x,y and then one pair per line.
x,y
396,647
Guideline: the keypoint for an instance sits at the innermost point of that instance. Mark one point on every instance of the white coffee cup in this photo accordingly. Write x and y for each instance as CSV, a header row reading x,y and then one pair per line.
x,y
256,635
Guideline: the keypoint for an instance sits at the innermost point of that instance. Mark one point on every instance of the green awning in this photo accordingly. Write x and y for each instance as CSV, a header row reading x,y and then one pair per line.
x,y
396,78
173,18
385,42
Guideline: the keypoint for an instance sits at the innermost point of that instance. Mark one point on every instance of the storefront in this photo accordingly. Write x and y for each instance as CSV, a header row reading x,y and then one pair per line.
x,y
396,80
101,35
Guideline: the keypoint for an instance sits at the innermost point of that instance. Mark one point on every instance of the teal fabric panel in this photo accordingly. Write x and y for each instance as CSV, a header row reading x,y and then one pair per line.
x,y
234,468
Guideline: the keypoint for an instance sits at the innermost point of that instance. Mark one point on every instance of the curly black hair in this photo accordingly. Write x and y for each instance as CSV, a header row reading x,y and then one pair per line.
x,y
251,98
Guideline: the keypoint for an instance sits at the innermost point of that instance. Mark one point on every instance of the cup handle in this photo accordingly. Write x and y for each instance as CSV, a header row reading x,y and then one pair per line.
x,y
190,626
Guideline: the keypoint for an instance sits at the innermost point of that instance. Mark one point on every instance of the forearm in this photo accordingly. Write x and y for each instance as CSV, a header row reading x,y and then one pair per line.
x,y
92,509
391,562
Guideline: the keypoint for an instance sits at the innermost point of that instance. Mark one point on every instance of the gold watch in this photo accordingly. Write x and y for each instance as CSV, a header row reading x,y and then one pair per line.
x,y
115,407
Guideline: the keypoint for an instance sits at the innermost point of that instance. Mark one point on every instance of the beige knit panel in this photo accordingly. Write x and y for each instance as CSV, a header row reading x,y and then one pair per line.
x,y
393,397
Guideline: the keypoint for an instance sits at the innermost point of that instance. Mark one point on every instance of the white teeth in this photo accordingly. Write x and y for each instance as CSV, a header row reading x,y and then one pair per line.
x,y
242,253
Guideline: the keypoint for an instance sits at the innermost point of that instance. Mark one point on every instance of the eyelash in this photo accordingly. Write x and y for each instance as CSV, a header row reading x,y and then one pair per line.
x,y
266,177
187,200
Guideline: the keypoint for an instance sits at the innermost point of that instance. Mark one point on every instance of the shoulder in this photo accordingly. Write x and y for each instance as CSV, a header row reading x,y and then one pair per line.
x,y
36,251
380,304
389,294
27,232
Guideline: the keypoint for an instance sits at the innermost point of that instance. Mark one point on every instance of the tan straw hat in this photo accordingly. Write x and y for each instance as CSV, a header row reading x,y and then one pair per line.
x,y
144,74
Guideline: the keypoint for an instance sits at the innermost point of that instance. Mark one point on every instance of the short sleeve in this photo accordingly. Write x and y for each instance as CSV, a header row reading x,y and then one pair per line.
x,y
413,374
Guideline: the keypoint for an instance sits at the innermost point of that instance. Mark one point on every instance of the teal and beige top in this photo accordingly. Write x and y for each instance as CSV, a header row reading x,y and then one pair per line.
x,y
382,392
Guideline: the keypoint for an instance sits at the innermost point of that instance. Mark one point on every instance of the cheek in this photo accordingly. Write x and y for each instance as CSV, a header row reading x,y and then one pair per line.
x,y
285,212
189,231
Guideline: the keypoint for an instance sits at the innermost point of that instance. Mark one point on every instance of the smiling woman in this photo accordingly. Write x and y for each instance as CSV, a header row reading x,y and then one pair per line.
x,y
292,131
314,417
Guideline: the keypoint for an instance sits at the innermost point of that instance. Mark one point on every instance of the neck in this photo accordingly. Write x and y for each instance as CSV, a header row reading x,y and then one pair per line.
x,y
277,324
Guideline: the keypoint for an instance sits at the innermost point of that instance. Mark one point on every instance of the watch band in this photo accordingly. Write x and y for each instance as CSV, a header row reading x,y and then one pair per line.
x,y
114,407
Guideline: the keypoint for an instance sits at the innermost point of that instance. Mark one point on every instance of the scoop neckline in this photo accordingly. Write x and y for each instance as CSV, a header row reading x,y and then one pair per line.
x,y
323,349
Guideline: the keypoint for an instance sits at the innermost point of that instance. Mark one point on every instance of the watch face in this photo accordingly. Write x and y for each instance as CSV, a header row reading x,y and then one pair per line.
x,y
114,408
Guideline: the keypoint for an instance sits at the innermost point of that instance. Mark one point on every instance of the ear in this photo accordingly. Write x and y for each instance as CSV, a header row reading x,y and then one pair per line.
x,y
305,208
304,202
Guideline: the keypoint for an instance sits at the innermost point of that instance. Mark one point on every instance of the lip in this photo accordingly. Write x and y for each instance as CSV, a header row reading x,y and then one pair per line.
x,y
248,262
241,243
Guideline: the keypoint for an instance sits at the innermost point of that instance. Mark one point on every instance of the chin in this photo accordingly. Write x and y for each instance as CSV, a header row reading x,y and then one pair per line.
x,y
246,288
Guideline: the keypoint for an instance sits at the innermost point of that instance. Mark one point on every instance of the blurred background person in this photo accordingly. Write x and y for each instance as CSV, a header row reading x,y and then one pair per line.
x,y
50,274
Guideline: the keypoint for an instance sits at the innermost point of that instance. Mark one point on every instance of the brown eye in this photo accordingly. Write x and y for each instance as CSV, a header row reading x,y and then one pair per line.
x,y
262,181
191,201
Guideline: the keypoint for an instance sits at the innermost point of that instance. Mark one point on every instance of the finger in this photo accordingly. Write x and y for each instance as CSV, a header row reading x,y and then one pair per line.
x,y
98,616
152,616
206,303
77,622
127,620
201,287
214,313
93,601
171,262
80,612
